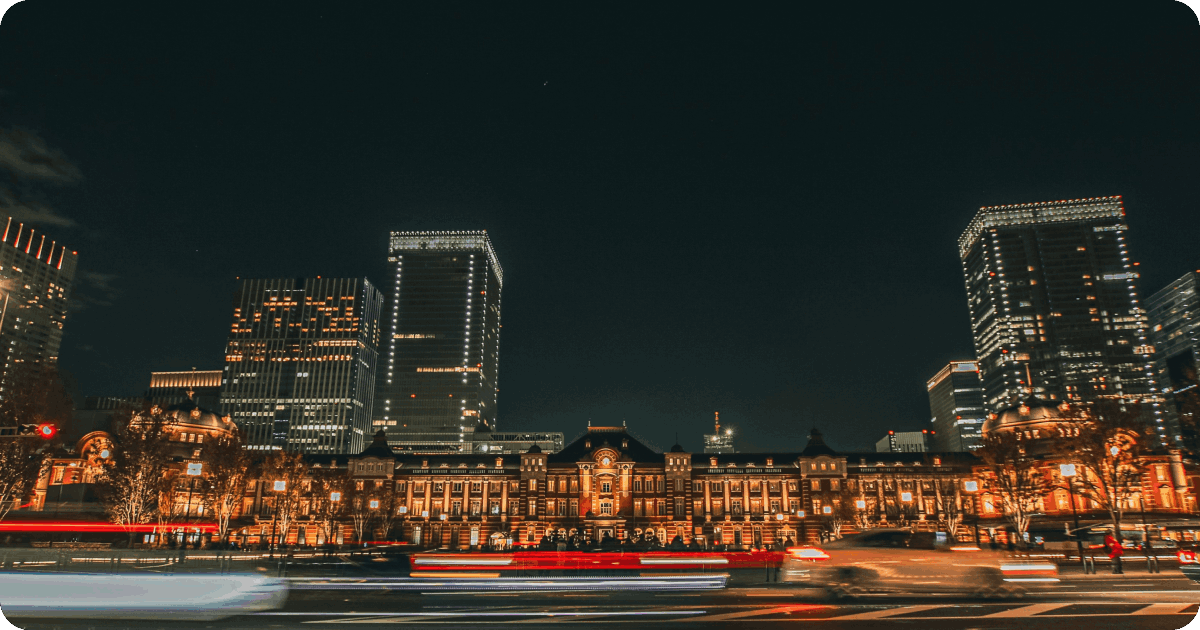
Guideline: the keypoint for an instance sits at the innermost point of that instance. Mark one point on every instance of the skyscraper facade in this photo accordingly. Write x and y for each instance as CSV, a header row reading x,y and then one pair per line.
x,y
300,363
1175,330
201,386
438,380
1054,304
36,274
956,402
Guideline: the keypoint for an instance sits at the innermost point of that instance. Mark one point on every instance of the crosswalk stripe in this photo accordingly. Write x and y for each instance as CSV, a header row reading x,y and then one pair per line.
x,y
1163,609
887,612
750,613
1025,611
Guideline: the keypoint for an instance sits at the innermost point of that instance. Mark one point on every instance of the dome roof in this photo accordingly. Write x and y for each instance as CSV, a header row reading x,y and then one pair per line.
x,y
1031,413
677,449
378,447
188,412
534,449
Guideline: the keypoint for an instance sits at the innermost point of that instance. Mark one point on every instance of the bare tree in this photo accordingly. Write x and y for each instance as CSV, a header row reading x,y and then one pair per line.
x,y
227,469
327,498
1013,476
285,473
949,505
360,494
23,461
1108,440
130,487
842,509
389,507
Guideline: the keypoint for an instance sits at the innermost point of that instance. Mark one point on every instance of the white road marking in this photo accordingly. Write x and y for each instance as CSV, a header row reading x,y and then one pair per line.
x,y
888,612
756,612
1163,609
1025,611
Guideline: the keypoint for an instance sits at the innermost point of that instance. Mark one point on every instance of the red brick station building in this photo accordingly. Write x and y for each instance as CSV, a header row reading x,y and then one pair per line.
x,y
608,483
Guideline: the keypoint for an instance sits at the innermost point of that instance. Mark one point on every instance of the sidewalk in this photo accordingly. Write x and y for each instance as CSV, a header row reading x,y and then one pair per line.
x,y
1137,568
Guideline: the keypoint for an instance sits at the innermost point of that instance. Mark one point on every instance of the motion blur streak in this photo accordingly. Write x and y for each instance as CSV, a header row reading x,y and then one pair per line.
x,y
153,596
91,526
441,584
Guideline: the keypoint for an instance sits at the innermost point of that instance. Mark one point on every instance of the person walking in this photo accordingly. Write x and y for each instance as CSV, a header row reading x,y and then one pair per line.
x,y
1114,552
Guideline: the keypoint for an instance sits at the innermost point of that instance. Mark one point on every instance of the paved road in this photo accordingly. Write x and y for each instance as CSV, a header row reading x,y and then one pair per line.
x,y
1135,602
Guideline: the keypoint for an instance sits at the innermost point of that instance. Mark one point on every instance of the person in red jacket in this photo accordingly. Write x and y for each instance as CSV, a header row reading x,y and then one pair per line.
x,y
1114,552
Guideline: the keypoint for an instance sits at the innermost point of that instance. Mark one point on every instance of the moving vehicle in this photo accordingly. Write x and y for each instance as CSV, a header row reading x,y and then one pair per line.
x,y
201,597
899,560
1189,562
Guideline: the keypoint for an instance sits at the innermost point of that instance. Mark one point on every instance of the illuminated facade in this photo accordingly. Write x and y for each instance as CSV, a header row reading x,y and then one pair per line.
x,y
607,483
36,274
1175,329
439,373
171,388
1053,298
956,402
300,363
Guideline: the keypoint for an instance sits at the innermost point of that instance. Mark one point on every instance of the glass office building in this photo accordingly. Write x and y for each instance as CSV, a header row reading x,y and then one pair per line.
x,y
956,402
36,274
300,363
1054,304
1175,330
438,379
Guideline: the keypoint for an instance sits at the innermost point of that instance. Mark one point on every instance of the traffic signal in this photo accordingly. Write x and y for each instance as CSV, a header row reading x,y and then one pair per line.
x,y
46,431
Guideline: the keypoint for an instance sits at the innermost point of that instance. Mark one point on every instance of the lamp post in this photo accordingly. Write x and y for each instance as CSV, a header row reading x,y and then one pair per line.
x,y
1118,567
334,497
1068,473
278,486
194,470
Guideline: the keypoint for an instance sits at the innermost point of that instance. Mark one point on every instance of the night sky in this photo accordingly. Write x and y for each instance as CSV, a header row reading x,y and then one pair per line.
x,y
696,209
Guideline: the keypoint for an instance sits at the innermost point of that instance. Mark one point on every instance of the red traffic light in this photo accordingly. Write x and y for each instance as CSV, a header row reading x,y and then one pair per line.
x,y
46,431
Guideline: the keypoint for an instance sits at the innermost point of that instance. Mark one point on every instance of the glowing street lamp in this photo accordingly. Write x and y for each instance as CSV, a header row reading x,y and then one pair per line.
x,y
906,496
335,496
860,504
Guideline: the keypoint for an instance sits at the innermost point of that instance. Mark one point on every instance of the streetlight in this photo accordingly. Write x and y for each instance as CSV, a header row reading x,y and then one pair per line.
x,y
193,470
278,486
1068,473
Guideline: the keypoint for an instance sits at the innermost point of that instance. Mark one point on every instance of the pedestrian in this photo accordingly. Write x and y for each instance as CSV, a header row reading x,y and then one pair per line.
x,y
1114,552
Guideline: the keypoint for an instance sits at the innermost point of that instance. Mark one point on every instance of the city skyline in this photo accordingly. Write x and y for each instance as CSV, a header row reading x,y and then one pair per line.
x,y
684,227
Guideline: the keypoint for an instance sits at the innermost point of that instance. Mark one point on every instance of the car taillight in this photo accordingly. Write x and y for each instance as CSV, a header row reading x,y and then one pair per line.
x,y
1187,557
808,553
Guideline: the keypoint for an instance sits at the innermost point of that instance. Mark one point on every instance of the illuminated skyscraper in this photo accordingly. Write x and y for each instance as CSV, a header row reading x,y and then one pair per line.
x,y
35,283
956,402
719,441
437,382
1053,295
172,388
1175,329
300,363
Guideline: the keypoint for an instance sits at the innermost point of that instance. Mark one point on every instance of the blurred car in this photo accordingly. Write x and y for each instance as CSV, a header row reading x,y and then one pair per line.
x,y
899,560
1189,561
201,596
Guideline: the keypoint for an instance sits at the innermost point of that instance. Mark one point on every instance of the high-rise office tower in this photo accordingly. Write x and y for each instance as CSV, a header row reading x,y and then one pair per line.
x,y
1053,299
1175,329
171,388
300,363
35,282
437,380
718,441
956,402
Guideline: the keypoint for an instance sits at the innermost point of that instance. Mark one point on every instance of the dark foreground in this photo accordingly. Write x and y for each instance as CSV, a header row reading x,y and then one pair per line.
x,y
1150,602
